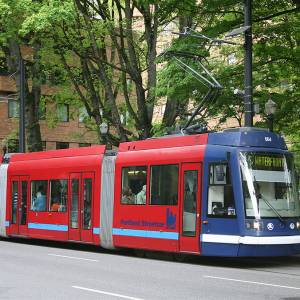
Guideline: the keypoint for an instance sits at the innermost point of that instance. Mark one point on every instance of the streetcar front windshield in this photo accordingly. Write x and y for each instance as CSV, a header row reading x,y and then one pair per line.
x,y
269,185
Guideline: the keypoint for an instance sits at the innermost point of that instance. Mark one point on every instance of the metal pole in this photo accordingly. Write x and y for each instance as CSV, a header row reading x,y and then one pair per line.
x,y
270,119
248,65
22,107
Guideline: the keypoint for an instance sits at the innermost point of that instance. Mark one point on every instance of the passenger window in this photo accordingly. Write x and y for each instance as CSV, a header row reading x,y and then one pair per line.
x,y
87,203
164,185
74,203
14,201
38,195
134,180
23,208
220,192
58,195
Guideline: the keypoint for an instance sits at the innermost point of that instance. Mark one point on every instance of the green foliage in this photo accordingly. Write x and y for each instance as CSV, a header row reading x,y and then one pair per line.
x,y
78,49
276,36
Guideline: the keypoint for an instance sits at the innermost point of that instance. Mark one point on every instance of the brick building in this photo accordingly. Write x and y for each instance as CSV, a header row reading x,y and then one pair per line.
x,y
68,132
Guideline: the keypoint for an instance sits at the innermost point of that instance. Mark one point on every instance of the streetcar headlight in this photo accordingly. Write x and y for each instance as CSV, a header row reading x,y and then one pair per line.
x,y
255,224
298,225
258,225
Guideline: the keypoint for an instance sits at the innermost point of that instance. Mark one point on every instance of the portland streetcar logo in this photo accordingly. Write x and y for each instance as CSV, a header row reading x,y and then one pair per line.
x,y
270,226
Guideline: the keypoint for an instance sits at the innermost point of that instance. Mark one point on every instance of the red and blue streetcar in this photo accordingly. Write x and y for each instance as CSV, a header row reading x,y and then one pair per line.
x,y
230,193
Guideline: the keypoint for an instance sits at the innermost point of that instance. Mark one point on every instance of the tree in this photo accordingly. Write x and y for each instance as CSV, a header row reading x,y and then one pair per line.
x,y
13,13
276,60
108,50
108,57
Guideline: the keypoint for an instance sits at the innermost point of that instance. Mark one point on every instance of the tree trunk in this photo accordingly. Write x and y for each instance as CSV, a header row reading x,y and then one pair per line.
x,y
32,99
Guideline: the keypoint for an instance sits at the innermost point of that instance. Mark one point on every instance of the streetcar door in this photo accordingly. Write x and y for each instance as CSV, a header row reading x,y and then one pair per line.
x,y
81,204
74,215
87,188
190,208
23,204
19,200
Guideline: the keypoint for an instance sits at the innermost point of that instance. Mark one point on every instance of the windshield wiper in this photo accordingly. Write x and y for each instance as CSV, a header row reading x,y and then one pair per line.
x,y
274,209
259,196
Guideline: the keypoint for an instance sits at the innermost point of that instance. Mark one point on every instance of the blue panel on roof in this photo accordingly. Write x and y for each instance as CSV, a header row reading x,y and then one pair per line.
x,y
247,137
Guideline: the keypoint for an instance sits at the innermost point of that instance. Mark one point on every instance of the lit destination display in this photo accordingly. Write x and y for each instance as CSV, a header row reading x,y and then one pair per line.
x,y
267,162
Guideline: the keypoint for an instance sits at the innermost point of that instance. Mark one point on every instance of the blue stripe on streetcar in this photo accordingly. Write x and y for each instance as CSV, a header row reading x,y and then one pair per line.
x,y
48,227
96,230
6,223
146,233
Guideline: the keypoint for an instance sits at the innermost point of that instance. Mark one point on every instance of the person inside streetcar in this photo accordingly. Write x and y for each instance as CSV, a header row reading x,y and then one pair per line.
x,y
141,196
40,200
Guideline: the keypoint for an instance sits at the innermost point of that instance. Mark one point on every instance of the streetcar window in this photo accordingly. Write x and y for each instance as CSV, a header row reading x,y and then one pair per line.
x,y
23,208
164,185
220,192
134,188
14,201
74,202
87,203
38,195
269,185
58,195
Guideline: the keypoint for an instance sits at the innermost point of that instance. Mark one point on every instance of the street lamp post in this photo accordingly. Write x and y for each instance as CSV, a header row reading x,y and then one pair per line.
x,y
270,109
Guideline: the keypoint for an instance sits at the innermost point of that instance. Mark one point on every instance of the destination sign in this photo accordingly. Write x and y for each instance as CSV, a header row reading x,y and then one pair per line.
x,y
267,162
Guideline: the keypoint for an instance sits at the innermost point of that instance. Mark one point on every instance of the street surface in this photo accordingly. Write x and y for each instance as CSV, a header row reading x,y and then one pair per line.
x,y
48,270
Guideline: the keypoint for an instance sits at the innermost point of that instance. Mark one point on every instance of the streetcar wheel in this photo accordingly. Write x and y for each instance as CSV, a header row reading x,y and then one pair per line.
x,y
180,257
140,253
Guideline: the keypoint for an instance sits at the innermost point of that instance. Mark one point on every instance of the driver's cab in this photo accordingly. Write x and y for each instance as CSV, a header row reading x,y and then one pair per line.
x,y
249,192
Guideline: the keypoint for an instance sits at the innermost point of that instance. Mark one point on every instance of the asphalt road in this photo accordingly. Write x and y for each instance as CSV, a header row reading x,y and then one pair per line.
x,y
44,270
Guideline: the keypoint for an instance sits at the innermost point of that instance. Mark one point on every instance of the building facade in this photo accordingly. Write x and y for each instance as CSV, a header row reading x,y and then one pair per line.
x,y
68,131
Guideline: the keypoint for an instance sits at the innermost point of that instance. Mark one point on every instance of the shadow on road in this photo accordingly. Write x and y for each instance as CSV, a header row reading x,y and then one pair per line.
x,y
256,263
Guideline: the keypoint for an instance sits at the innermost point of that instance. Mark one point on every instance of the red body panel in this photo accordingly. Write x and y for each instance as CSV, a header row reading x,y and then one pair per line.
x,y
57,164
156,214
148,225
165,142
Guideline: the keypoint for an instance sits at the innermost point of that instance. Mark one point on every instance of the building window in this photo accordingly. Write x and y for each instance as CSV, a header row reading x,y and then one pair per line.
x,y
164,185
58,195
3,66
62,145
84,144
38,195
63,112
220,192
82,114
134,181
13,108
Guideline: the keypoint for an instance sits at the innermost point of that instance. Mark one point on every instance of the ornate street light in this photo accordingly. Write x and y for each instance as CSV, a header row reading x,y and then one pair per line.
x,y
270,109
104,130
